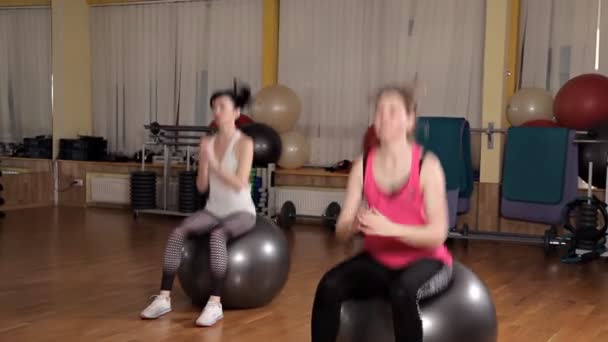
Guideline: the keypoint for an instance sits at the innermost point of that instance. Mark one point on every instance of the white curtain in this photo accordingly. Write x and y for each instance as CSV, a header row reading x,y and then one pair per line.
x,y
159,62
558,41
603,48
218,41
335,54
25,73
133,71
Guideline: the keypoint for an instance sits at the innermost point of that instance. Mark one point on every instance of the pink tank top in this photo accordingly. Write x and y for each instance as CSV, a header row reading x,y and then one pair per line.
x,y
405,206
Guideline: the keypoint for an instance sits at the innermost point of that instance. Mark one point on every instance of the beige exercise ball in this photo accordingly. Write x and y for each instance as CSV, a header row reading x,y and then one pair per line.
x,y
277,106
295,152
530,104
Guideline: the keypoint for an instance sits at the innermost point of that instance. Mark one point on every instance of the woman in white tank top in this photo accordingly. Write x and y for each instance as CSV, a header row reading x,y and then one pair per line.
x,y
225,162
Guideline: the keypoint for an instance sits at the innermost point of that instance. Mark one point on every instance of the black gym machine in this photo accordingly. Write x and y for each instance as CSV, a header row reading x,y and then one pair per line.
x,y
587,235
585,219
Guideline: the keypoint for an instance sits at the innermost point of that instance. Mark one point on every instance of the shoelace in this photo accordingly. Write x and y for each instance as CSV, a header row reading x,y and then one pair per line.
x,y
155,296
213,303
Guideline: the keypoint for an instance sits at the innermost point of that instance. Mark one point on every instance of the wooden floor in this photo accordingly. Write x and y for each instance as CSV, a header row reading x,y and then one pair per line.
x,y
83,275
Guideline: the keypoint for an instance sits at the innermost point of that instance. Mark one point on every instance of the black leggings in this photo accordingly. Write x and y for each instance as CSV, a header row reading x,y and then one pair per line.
x,y
222,230
362,277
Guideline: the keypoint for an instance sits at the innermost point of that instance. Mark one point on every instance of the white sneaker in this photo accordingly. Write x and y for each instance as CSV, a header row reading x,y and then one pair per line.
x,y
159,306
211,314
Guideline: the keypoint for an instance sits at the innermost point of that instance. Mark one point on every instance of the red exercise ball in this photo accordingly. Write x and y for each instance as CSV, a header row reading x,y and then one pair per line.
x,y
540,123
244,120
240,122
370,140
582,103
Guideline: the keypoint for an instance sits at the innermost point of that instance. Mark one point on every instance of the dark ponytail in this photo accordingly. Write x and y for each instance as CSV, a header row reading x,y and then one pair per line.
x,y
240,95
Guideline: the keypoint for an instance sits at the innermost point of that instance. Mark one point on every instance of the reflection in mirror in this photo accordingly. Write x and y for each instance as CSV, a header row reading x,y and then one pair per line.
x,y
25,82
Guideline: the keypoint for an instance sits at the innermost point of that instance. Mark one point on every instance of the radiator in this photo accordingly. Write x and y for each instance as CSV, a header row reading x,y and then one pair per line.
x,y
307,200
115,188
108,188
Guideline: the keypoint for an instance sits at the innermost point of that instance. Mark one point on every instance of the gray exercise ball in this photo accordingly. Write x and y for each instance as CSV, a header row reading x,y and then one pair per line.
x,y
463,312
258,264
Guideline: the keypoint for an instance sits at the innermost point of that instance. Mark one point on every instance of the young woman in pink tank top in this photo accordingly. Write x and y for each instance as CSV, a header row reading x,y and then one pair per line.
x,y
405,226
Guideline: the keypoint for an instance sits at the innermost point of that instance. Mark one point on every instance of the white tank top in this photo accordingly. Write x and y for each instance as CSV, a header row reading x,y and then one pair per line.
x,y
223,199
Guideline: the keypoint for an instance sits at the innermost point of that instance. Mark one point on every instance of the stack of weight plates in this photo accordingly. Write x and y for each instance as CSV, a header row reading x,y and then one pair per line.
x,y
189,199
143,190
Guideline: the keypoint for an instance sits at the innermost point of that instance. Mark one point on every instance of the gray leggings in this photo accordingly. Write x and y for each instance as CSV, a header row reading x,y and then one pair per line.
x,y
222,230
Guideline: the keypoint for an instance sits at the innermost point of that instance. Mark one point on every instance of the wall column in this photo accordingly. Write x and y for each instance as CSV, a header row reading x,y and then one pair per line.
x,y
270,47
498,16
72,108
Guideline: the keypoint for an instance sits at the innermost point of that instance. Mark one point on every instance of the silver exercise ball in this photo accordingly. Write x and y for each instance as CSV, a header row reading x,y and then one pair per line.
x,y
258,264
463,312
277,106
295,150
529,104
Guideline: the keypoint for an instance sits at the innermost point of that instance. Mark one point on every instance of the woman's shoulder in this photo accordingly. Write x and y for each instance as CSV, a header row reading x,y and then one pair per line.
x,y
430,168
429,158
356,169
244,142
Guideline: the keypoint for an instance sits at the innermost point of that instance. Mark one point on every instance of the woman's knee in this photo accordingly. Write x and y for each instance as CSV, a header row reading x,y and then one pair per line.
x,y
237,224
330,288
178,233
199,222
249,220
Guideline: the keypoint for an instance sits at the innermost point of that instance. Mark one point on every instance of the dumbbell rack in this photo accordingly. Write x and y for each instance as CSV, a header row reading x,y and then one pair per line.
x,y
168,137
262,189
164,208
